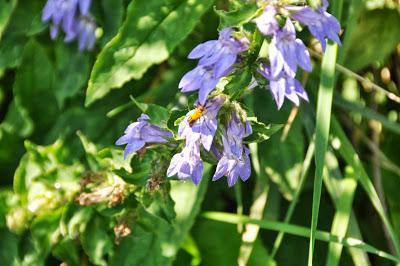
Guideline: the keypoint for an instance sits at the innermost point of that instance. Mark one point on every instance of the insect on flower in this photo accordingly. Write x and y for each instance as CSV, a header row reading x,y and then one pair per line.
x,y
195,114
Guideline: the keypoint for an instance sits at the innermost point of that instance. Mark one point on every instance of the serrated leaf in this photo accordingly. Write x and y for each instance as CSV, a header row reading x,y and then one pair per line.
x,y
151,31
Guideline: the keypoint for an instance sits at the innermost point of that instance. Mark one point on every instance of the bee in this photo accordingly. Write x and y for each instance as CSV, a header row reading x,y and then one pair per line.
x,y
195,114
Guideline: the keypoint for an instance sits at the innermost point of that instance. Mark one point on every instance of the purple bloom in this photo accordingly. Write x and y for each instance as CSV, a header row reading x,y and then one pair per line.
x,y
204,128
201,78
286,52
284,86
221,54
320,23
235,161
187,164
72,16
216,59
85,29
139,133
267,23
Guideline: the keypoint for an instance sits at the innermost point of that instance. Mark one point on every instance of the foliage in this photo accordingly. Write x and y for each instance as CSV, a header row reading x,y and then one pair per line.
x,y
67,195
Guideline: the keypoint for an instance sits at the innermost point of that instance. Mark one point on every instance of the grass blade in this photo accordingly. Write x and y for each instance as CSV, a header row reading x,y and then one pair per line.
x,y
324,105
299,231
346,150
260,196
289,213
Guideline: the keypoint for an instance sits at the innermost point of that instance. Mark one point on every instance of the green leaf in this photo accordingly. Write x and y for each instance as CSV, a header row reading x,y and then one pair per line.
x,y
324,109
96,242
25,20
348,153
72,72
158,115
237,17
35,85
366,45
261,132
9,248
6,8
67,251
299,231
240,81
44,234
151,31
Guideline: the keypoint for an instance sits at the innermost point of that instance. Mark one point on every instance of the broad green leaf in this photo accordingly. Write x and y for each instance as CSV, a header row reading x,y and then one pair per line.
x,y
6,8
67,251
366,43
24,22
237,17
151,31
95,240
9,248
72,72
35,85
44,234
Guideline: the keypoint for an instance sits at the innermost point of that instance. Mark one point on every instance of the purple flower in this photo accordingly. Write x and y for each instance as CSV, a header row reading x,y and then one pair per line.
x,y
187,164
85,29
139,133
221,54
201,78
320,23
286,52
72,16
216,59
235,161
284,86
267,23
202,129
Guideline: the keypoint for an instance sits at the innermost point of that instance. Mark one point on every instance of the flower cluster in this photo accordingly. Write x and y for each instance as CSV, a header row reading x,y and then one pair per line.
x,y
140,133
73,18
287,52
235,161
198,128
216,60
220,58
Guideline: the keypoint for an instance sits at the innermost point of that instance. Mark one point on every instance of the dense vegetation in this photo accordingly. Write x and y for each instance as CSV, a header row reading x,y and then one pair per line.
x,y
324,162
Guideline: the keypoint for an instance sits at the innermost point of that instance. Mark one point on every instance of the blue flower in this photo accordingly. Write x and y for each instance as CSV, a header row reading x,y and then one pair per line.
x,y
235,160
284,86
216,59
286,52
204,127
266,22
72,17
320,23
201,78
140,133
85,29
187,164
